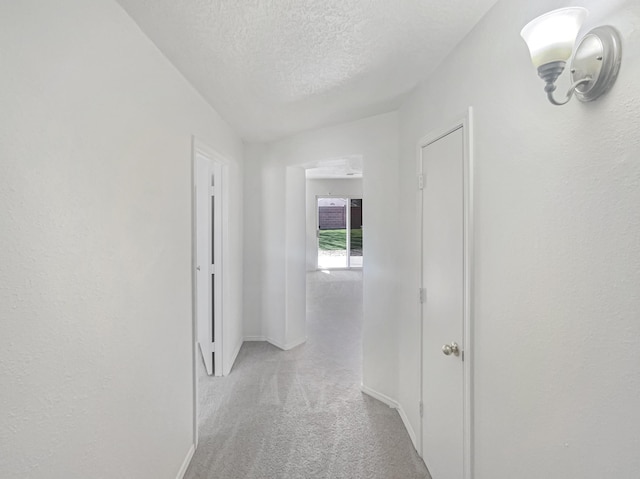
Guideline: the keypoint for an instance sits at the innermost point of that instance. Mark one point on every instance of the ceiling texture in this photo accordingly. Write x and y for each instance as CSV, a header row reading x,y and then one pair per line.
x,y
347,167
272,68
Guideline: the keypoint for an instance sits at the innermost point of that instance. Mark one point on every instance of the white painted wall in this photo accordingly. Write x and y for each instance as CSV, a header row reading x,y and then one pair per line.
x,y
375,139
296,278
557,238
232,331
253,248
351,187
95,227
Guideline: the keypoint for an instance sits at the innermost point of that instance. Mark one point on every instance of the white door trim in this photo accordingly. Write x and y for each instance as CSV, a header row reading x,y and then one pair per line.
x,y
194,305
466,123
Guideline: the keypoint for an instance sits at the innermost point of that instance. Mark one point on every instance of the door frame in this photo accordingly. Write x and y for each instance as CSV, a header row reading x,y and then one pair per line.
x,y
466,123
347,231
218,161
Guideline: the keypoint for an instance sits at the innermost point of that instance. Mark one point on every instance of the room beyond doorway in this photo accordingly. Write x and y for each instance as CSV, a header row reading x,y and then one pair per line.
x,y
339,232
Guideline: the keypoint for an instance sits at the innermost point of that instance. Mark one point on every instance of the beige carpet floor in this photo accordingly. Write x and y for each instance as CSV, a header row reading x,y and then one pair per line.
x,y
300,414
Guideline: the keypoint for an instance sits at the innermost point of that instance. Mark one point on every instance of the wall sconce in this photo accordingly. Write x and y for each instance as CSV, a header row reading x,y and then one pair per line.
x,y
596,61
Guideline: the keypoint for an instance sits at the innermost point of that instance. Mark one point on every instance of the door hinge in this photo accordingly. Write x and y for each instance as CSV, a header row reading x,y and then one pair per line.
x,y
212,269
422,294
421,182
421,409
212,190
213,347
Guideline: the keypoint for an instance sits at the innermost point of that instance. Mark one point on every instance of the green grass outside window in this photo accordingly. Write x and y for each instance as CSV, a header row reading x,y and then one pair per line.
x,y
332,240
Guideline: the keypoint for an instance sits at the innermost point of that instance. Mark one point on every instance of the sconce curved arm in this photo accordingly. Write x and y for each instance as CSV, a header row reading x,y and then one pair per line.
x,y
551,87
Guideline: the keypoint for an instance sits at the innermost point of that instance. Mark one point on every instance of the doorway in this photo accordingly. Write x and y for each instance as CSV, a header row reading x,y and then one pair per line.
x,y
445,217
339,232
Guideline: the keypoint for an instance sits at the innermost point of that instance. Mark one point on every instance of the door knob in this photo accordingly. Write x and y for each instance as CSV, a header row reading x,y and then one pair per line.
x,y
198,268
449,349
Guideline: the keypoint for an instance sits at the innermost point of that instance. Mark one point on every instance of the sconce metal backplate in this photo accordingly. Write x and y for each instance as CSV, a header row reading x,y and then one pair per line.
x,y
598,56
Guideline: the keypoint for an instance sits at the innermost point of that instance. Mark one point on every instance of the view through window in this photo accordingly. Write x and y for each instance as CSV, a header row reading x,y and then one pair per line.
x,y
339,233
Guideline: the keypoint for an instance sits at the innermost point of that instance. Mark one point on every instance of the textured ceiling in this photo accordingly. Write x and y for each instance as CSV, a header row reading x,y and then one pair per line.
x,y
348,167
275,67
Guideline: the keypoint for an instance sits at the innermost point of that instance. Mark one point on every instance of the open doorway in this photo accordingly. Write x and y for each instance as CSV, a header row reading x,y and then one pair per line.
x,y
334,282
339,232
334,292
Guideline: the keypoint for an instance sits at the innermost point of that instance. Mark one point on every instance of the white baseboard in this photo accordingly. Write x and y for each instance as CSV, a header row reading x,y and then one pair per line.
x,y
379,396
393,404
255,338
292,344
407,426
185,463
233,358
277,344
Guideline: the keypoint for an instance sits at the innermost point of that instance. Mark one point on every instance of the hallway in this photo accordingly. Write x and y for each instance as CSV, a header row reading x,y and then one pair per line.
x,y
300,413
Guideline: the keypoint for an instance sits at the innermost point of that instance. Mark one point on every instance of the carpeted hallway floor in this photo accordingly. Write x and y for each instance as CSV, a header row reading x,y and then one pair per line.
x,y
300,413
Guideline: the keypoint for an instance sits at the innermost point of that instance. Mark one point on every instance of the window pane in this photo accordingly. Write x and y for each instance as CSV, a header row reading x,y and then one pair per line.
x,y
332,233
355,259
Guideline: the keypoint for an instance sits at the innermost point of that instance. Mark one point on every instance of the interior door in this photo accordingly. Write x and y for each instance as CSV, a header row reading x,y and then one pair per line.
x,y
203,261
208,183
443,308
216,223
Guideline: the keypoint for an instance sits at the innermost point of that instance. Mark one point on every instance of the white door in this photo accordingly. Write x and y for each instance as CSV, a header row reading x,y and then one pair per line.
x,y
443,309
215,198
208,264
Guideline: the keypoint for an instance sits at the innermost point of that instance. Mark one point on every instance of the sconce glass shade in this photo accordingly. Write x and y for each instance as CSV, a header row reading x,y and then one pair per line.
x,y
551,36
